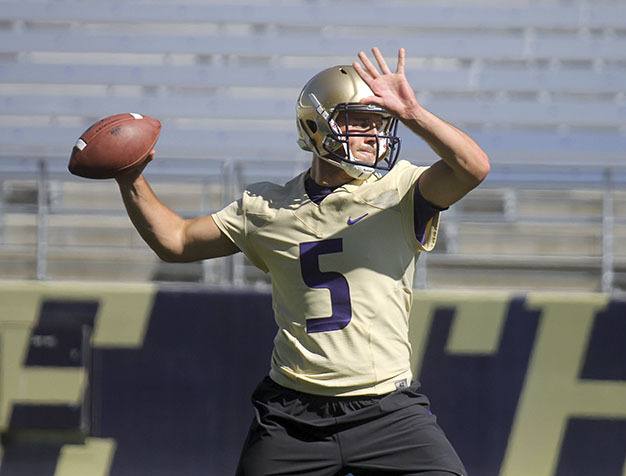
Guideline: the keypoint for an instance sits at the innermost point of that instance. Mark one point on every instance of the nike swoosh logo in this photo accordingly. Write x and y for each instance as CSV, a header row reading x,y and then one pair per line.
x,y
356,220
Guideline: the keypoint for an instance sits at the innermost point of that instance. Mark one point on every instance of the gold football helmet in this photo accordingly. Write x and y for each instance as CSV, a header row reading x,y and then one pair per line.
x,y
334,91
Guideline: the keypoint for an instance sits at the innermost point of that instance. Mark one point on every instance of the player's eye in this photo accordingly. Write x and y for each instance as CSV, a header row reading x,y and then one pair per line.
x,y
361,123
367,123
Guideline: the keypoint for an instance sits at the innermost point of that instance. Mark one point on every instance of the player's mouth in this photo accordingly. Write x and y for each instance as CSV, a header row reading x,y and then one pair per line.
x,y
366,154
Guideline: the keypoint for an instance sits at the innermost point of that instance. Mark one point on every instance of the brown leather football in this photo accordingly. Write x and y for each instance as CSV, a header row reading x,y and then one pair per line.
x,y
114,144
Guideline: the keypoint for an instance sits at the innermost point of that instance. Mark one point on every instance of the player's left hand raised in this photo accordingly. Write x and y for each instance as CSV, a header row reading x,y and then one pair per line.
x,y
391,90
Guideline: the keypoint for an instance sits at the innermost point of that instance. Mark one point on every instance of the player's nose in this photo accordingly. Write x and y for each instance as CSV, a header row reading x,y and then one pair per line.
x,y
371,138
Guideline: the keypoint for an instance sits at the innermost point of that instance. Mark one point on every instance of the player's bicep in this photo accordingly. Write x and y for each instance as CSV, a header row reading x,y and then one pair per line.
x,y
202,239
441,186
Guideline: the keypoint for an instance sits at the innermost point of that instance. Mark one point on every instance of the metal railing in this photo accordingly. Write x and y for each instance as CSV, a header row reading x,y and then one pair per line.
x,y
231,176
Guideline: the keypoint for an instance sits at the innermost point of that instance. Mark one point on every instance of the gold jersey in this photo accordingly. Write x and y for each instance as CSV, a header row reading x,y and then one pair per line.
x,y
342,275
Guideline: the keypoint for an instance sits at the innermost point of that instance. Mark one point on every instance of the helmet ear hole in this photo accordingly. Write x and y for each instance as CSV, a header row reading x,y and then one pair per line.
x,y
311,125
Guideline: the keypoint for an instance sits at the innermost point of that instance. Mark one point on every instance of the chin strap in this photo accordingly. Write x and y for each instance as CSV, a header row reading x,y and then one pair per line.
x,y
353,170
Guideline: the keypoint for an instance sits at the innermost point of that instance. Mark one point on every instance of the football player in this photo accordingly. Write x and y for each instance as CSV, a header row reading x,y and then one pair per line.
x,y
340,241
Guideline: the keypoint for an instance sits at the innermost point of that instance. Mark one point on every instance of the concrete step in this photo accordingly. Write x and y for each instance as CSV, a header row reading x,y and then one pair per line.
x,y
97,263
483,201
18,262
619,241
72,230
182,197
512,280
542,203
619,204
540,239
18,229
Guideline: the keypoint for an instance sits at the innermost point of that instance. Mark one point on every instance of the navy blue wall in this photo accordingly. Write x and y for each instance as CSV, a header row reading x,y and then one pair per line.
x,y
179,404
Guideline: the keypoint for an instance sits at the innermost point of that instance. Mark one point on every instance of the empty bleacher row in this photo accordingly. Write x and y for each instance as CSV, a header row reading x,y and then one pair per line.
x,y
464,45
212,71
454,15
573,113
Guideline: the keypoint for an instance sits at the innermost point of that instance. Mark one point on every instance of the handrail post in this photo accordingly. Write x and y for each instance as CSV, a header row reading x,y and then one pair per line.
x,y
421,272
238,271
205,209
608,219
42,220
227,192
2,219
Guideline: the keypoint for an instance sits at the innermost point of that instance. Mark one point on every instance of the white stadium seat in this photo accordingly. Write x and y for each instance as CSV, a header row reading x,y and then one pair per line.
x,y
418,15
450,15
555,66
487,79
593,114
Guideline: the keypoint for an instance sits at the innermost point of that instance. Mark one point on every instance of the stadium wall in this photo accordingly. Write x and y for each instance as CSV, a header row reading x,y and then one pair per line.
x,y
121,379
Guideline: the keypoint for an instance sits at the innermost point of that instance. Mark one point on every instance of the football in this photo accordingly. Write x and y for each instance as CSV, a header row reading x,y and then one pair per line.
x,y
114,144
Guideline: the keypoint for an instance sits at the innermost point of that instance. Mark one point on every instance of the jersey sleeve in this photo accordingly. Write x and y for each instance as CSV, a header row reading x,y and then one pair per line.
x,y
420,217
232,221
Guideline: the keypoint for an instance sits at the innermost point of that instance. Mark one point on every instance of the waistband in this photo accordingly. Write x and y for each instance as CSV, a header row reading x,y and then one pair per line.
x,y
272,400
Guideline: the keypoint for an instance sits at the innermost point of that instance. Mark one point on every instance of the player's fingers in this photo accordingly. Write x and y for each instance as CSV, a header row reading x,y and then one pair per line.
x,y
128,176
372,100
401,59
381,61
361,72
371,69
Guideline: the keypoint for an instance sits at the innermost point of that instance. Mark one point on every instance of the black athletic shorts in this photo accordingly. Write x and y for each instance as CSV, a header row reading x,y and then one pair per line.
x,y
294,433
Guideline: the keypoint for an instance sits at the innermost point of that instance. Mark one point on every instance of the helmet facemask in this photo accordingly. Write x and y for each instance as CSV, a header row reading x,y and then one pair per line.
x,y
336,145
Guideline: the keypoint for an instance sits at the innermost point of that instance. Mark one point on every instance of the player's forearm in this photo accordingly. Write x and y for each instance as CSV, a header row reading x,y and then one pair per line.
x,y
459,151
160,227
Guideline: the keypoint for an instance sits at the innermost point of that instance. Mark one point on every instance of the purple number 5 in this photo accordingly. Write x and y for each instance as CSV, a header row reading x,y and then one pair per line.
x,y
335,282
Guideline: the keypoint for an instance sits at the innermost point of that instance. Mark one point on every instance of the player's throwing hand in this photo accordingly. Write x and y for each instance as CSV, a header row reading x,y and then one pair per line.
x,y
392,90
128,177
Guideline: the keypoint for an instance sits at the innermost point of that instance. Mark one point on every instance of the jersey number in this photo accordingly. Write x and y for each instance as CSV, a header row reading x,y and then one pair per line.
x,y
335,282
